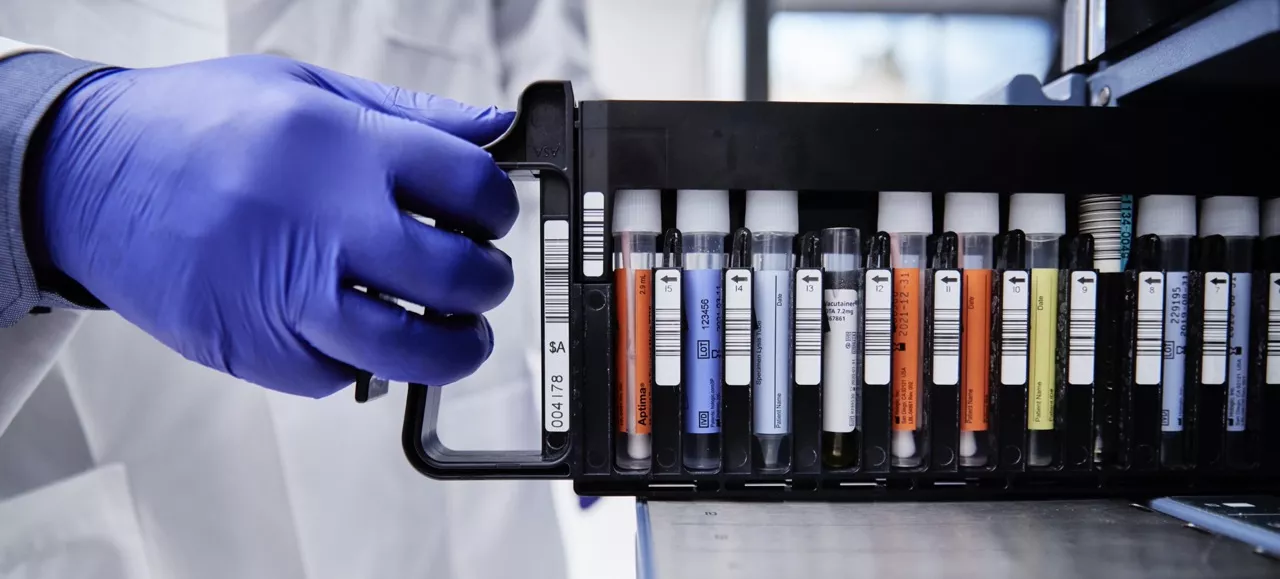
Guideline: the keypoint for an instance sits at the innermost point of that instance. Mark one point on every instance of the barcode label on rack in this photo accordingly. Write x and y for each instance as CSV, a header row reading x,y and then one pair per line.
x,y
737,327
878,329
808,327
555,326
593,234
1082,327
666,327
1273,329
1148,348
946,327
1015,327
1217,303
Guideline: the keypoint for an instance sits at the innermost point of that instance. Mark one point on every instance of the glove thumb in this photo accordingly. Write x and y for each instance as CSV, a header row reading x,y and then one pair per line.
x,y
477,125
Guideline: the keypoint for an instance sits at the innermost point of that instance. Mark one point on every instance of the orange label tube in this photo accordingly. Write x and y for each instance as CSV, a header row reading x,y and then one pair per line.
x,y
975,361
906,348
641,336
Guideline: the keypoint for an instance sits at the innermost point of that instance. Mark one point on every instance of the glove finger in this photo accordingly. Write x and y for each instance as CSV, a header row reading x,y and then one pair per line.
x,y
392,343
437,175
477,125
441,270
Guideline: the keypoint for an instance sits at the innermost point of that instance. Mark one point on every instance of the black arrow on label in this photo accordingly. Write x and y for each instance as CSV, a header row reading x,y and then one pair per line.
x,y
1085,280
1017,279
1220,281
1152,280
668,278
738,279
879,279
1277,281
809,278
949,280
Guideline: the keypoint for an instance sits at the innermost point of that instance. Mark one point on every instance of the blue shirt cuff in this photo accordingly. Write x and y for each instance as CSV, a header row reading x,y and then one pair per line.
x,y
30,85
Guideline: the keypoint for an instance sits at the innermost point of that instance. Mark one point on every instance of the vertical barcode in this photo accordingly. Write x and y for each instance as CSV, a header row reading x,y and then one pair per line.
x,y
946,332
947,290
555,281
1081,333
808,331
1149,342
666,332
1014,336
1272,373
737,331
593,234
1215,333
1150,333
879,331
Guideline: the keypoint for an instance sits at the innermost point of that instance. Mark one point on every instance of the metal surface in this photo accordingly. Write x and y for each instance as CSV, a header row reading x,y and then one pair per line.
x,y
980,540
1025,90
756,19
1075,33
1232,49
1046,8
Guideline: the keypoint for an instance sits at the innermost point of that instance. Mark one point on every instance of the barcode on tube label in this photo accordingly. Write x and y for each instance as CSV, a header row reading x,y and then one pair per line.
x,y
878,329
808,327
946,327
737,327
555,326
1015,322
1217,304
1148,349
1273,329
1082,332
593,234
666,327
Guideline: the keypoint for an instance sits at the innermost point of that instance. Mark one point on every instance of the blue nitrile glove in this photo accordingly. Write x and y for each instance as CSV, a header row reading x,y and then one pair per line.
x,y
226,207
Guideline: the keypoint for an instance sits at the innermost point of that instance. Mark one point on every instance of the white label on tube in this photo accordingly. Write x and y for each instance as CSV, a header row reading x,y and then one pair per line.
x,y
1082,328
737,327
840,362
808,327
1175,350
666,327
771,392
1148,361
1015,327
878,328
946,327
1238,355
1273,329
1217,309
555,326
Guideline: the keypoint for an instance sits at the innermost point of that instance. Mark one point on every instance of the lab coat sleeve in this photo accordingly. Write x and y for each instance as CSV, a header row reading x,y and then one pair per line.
x,y
543,40
31,80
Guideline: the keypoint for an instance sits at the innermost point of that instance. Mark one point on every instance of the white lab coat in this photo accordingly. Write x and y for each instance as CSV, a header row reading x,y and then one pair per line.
x,y
127,461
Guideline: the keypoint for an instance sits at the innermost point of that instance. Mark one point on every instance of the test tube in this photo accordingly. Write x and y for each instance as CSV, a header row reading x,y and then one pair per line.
x,y
841,347
975,219
1173,219
702,216
1236,220
1042,217
637,222
773,218
907,217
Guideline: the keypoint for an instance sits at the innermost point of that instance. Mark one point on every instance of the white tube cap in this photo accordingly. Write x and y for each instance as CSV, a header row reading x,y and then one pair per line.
x,y
1229,217
637,210
972,213
702,211
772,211
1038,213
1167,215
1271,218
905,212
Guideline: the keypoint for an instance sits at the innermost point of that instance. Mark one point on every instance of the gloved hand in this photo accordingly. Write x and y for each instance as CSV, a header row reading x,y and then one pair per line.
x,y
227,207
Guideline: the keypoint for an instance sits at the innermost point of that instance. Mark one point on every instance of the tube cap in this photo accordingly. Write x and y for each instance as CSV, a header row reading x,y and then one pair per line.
x,y
905,212
702,211
1271,218
772,211
972,213
1229,217
637,210
1167,215
1038,213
